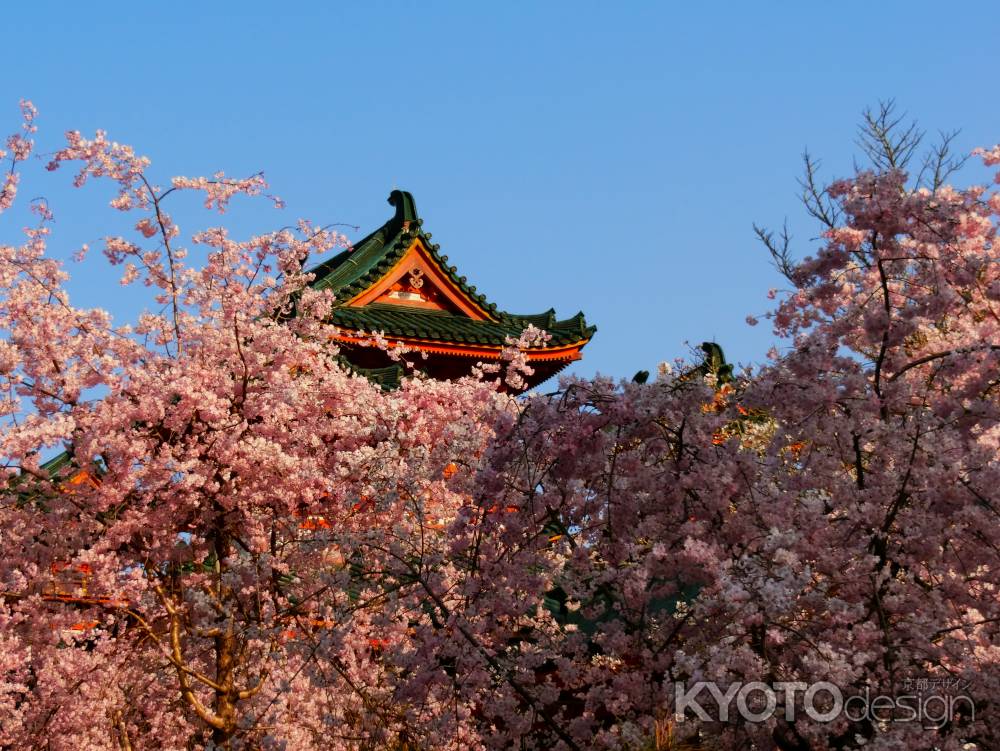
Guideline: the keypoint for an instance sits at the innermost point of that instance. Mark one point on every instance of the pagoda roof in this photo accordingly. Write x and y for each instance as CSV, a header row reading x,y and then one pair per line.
x,y
360,276
356,269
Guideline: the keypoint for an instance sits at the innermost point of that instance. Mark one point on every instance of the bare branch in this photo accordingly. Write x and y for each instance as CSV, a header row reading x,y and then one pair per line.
x,y
816,199
779,248
940,163
885,140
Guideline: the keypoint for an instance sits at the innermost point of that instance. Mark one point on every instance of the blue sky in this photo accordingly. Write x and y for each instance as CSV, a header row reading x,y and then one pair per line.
x,y
607,157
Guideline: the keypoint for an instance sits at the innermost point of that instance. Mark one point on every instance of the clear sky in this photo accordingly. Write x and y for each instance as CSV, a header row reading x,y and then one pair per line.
x,y
609,157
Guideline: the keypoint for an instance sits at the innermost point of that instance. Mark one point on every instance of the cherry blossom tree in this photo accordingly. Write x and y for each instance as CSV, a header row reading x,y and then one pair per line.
x,y
187,573
247,546
827,518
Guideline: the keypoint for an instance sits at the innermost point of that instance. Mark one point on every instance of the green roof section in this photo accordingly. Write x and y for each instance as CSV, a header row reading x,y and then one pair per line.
x,y
447,327
388,378
60,467
58,464
356,269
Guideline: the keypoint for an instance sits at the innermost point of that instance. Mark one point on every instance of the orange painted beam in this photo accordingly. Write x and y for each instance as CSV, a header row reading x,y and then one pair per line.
x,y
568,352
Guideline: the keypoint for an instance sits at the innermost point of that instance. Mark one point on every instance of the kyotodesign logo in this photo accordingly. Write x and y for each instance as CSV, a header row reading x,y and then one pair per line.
x,y
822,701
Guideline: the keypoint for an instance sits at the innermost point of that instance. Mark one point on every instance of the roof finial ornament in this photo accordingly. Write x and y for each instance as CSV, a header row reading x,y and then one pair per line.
x,y
406,207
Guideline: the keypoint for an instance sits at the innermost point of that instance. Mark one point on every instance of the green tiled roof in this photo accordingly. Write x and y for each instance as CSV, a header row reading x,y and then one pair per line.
x,y
442,326
388,377
353,271
58,464
58,468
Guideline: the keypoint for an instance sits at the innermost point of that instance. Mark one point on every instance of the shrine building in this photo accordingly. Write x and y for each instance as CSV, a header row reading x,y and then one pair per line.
x,y
395,282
